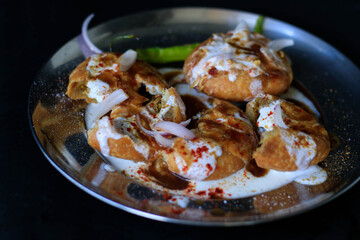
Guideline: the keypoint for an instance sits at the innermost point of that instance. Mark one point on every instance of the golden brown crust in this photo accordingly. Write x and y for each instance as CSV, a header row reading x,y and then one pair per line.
x,y
235,136
273,151
224,127
105,67
124,147
226,165
130,80
77,80
275,79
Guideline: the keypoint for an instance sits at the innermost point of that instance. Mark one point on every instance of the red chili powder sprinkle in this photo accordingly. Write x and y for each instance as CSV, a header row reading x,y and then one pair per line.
x,y
111,122
201,193
169,150
219,190
177,211
199,151
209,167
166,196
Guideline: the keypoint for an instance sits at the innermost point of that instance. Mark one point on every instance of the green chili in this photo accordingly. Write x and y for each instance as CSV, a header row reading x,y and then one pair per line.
x,y
166,55
174,53
259,27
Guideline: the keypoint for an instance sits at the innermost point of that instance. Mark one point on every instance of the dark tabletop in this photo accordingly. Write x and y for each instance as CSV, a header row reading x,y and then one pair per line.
x,y
37,202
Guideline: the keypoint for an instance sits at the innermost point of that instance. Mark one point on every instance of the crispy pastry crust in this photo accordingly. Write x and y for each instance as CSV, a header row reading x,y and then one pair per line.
x,y
275,80
272,152
226,125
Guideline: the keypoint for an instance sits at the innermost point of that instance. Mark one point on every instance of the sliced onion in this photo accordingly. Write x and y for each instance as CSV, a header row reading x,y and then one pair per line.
x,y
278,120
158,135
279,44
85,50
148,132
153,133
86,46
164,141
127,59
94,111
174,129
185,123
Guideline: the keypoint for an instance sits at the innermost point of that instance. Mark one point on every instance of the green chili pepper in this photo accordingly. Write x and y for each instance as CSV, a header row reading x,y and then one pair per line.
x,y
174,53
259,27
166,55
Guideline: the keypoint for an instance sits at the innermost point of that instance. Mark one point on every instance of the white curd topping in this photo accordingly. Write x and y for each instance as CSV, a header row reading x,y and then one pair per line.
x,y
97,90
233,51
221,56
153,89
96,66
180,200
266,118
204,159
107,130
315,175
300,146
238,185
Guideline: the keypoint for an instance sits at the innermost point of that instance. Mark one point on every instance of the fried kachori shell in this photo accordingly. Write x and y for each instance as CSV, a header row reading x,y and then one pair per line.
x,y
228,126
140,73
272,152
275,79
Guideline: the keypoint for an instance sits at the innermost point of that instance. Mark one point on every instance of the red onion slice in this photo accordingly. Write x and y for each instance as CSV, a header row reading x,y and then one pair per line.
x,y
86,46
279,44
153,133
164,141
157,135
278,120
185,123
148,132
85,50
174,129
94,111
127,59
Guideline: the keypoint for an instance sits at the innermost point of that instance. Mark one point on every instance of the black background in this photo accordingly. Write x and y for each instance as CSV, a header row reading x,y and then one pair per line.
x,y
37,202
